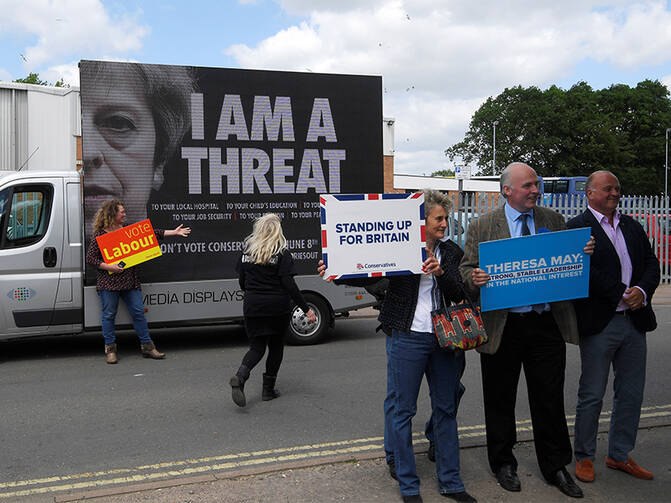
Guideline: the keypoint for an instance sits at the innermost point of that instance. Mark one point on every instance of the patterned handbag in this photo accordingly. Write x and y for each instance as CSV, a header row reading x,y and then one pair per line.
x,y
459,326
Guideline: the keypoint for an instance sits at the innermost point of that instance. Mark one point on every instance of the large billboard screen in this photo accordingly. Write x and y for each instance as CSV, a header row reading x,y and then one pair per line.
x,y
214,148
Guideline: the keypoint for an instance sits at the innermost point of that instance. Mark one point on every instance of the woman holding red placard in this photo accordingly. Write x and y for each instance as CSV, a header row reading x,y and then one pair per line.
x,y
122,283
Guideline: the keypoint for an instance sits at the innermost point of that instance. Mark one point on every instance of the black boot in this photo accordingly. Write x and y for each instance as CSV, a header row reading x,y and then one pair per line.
x,y
238,386
269,391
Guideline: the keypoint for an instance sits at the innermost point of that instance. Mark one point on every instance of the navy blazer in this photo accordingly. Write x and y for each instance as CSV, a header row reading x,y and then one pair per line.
x,y
605,285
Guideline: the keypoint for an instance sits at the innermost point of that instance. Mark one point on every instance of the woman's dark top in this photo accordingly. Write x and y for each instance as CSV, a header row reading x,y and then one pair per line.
x,y
400,302
269,288
126,280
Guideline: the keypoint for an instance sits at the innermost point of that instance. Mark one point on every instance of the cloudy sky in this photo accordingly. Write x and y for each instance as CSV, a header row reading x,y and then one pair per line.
x,y
439,59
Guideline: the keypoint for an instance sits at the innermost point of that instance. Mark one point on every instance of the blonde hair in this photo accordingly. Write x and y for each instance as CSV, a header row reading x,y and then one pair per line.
x,y
106,215
266,240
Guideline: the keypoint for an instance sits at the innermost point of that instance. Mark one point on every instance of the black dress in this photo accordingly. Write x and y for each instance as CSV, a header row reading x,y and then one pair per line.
x,y
269,290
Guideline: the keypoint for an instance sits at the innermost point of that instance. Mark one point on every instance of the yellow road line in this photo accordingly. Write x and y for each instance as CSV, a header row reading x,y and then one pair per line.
x,y
189,471
246,459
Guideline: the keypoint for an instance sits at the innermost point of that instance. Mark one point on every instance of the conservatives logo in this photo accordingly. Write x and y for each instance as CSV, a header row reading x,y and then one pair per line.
x,y
385,265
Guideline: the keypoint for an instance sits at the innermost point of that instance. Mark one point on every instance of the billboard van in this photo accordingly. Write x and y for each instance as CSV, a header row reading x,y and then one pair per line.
x,y
208,148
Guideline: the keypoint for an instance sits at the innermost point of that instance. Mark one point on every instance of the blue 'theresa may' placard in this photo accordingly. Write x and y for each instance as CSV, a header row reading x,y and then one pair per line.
x,y
530,270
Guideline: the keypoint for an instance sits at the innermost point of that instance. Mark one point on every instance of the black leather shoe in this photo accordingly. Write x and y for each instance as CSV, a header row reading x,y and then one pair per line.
x,y
392,469
413,498
507,478
462,497
431,454
565,483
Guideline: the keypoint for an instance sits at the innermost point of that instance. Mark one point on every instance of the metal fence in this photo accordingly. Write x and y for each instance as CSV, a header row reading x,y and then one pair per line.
x,y
651,212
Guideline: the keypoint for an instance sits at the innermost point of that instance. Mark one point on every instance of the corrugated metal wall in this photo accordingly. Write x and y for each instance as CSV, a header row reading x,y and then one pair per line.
x,y
13,128
38,127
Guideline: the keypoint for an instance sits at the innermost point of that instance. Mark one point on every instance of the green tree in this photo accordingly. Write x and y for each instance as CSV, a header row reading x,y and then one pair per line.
x,y
447,173
34,78
574,132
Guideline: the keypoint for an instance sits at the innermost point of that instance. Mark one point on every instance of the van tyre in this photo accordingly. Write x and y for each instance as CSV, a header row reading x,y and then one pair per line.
x,y
301,332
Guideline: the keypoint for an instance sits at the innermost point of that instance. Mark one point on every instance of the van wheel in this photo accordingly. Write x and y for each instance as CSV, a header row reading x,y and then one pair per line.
x,y
301,331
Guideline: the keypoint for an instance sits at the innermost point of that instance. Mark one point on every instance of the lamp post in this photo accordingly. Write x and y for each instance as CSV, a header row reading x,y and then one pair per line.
x,y
666,164
494,147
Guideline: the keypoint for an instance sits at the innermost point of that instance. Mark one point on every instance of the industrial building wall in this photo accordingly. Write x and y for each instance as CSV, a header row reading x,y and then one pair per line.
x,y
13,128
388,153
38,127
53,126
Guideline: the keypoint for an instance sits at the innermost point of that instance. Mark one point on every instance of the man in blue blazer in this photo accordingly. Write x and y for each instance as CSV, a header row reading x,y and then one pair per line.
x,y
612,323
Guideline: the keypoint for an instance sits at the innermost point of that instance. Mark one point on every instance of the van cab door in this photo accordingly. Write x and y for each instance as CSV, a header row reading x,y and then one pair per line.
x,y
33,229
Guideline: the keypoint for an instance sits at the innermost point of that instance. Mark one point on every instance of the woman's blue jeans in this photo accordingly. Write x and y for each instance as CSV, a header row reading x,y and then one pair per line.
x,y
389,400
110,304
413,353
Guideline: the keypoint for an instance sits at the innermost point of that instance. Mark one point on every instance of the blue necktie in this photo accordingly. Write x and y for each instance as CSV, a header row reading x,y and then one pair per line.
x,y
539,308
525,227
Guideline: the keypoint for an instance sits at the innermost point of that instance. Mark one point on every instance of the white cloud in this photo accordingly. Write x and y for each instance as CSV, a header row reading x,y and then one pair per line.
x,y
70,27
639,34
439,59
426,121
69,72
666,80
420,162
306,7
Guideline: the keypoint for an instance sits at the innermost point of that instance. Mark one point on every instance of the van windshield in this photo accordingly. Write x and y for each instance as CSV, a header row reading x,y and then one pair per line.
x,y
26,215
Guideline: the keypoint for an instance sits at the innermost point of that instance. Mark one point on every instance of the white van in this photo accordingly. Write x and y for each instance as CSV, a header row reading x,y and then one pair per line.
x,y
42,268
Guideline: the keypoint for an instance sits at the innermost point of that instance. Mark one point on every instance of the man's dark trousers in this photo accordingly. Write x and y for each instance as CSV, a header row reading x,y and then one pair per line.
x,y
533,341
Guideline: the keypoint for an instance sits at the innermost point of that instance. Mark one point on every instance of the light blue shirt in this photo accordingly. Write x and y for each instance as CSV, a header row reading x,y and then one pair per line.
x,y
515,227
515,222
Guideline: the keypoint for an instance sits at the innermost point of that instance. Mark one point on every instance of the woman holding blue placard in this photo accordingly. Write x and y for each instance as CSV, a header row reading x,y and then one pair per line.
x,y
406,317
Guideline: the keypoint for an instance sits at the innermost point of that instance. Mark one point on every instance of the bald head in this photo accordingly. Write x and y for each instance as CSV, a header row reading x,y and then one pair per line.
x,y
598,175
507,172
603,192
519,185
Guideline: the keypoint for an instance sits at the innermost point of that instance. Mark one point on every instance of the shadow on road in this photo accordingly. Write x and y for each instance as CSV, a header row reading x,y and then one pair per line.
x,y
167,339
91,343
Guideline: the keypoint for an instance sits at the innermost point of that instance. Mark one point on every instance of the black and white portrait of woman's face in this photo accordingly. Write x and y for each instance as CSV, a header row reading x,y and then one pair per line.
x,y
119,147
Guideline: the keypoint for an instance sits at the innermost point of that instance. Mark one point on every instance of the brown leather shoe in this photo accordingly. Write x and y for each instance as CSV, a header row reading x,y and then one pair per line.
x,y
150,351
630,467
584,470
110,353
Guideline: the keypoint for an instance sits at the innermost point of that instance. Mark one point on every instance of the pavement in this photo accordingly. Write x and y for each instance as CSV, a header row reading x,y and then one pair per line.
x,y
363,476
662,296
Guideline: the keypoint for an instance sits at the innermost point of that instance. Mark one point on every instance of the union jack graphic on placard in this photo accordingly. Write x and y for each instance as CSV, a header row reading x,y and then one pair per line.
x,y
387,234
